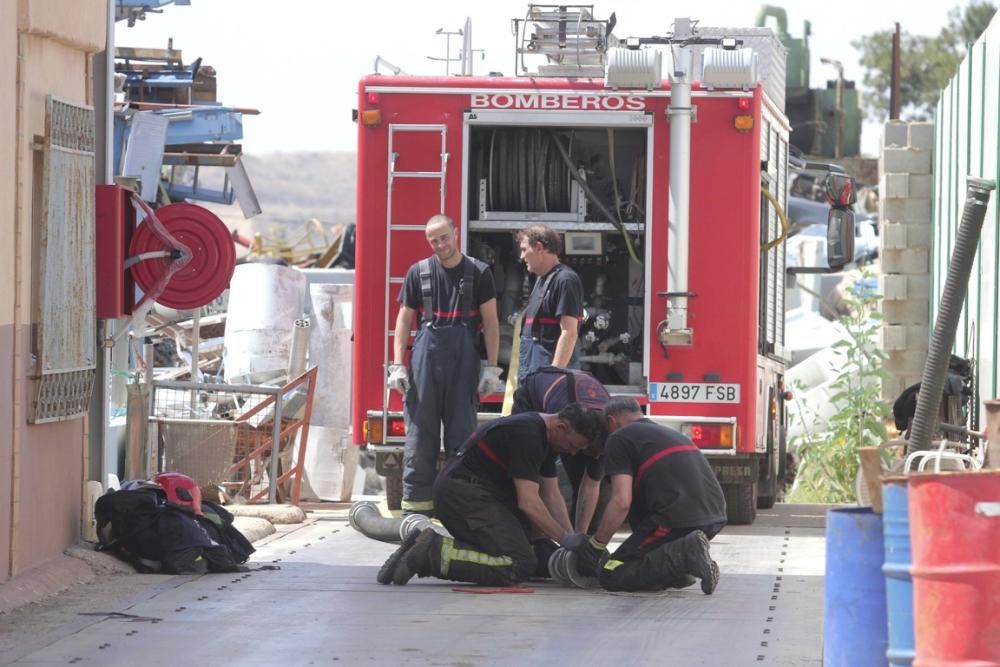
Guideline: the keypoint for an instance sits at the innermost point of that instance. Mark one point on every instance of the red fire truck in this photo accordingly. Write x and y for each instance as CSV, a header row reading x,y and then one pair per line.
x,y
668,194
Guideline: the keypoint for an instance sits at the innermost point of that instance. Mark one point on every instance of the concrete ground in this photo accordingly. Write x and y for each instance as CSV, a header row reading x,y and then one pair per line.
x,y
323,606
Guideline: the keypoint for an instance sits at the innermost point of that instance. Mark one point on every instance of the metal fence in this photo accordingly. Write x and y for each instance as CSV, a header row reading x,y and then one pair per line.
x,y
223,435
968,143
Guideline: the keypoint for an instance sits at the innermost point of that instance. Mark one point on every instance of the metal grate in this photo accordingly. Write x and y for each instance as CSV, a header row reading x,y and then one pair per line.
x,y
62,396
64,309
71,126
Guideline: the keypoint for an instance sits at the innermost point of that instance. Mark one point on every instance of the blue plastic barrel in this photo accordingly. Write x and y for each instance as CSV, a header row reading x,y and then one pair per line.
x,y
898,584
854,615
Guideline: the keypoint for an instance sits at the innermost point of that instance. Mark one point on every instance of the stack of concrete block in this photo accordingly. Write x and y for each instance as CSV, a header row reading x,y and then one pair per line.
x,y
905,191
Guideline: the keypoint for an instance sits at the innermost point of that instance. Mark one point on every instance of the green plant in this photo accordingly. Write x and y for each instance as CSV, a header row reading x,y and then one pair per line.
x,y
828,450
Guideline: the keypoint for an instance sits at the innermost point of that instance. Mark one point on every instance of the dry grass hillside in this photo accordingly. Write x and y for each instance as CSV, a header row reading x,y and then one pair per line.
x,y
294,187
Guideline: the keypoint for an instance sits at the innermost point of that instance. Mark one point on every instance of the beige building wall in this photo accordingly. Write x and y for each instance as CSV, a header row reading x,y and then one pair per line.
x,y
8,133
45,49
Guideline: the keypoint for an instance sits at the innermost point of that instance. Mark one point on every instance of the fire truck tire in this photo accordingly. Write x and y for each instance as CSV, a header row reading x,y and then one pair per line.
x,y
766,502
741,503
394,491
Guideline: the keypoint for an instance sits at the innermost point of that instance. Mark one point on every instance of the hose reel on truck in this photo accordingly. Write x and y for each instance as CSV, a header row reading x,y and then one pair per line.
x,y
563,176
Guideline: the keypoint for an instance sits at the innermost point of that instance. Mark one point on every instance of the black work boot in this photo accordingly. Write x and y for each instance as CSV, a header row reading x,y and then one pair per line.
x,y
682,581
417,559
698,560
384,575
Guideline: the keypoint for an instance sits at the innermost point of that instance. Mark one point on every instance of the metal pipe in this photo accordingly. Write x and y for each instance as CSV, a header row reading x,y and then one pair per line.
x,y
925,419
195,345
679,112
272,492
152,463
300,348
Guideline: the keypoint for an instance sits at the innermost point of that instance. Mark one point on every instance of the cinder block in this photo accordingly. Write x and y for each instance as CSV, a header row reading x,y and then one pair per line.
x,y
912,311
891,388
905,161
894,186
893,337
892,237
921,185
921,135
918,337
895,133
919,286
918,236
910,210
906,362
908,260
897,236
902,337
893,286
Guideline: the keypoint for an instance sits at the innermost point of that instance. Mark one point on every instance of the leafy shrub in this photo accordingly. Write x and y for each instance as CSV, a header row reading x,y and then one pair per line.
x,y
828,449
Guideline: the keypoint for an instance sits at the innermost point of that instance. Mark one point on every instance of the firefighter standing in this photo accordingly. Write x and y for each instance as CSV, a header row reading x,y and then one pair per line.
x,y
674,504
550,389
454,295
499,487
555,306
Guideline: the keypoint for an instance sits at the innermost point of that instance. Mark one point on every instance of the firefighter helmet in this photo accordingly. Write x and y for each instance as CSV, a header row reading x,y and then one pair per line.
x,y
181,490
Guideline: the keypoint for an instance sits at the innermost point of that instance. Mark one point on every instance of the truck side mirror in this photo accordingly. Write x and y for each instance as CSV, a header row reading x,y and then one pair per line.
x,y
840,238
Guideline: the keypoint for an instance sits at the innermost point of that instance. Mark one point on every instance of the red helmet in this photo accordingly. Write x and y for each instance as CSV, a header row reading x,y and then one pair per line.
x,y
181,490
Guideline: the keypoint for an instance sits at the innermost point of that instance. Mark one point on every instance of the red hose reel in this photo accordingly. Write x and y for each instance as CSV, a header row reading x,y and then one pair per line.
x,y
207,255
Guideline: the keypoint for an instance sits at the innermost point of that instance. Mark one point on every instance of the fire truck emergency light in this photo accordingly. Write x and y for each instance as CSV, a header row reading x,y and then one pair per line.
x,y
630,68
729,68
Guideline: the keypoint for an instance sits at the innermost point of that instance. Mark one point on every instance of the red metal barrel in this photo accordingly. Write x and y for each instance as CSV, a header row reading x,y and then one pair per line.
x,y
955,534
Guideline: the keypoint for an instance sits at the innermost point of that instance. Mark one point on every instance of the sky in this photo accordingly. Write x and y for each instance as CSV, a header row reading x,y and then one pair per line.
x,y
299,61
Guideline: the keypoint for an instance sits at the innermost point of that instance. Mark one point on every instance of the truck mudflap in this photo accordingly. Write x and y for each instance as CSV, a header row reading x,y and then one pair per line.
x,y
738,475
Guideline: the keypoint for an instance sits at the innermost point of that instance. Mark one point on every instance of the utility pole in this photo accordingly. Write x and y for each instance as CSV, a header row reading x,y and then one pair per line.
x,y
894,102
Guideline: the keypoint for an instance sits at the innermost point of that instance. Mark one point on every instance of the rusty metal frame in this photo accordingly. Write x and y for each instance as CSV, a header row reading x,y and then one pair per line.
x,y
283,435
258,440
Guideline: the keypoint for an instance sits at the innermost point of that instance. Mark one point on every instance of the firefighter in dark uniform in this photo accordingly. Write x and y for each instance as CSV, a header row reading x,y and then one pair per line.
x,y
555,306
674,504
454,296
500,488
550,389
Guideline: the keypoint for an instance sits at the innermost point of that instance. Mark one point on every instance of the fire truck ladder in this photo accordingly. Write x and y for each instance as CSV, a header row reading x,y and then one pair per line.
x,y
397,140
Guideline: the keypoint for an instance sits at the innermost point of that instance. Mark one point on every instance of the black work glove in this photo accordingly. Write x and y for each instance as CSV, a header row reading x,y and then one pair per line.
x,y
590,559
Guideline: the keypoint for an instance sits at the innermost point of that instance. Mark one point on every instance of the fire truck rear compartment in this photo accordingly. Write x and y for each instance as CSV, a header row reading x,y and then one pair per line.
x,y
523,175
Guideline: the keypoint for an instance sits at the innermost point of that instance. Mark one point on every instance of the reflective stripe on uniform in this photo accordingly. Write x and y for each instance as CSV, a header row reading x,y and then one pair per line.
x,y
612,564
449,553
417,505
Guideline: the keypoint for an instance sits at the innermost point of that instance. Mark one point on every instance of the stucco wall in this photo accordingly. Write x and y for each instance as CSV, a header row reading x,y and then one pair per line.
x,y
8,115
48,53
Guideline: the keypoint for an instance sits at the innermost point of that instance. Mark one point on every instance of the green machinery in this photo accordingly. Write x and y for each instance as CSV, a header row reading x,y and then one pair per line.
x,y
826,122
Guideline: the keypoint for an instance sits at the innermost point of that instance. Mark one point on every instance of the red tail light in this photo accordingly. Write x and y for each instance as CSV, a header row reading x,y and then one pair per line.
x,y
711,435
397,427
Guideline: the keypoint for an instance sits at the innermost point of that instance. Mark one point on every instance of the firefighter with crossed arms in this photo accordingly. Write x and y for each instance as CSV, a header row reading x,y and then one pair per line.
x,y
552,316
453,297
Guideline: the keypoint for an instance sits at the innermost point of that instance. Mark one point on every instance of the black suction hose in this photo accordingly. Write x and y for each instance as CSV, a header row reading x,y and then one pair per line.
x,y
925,421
